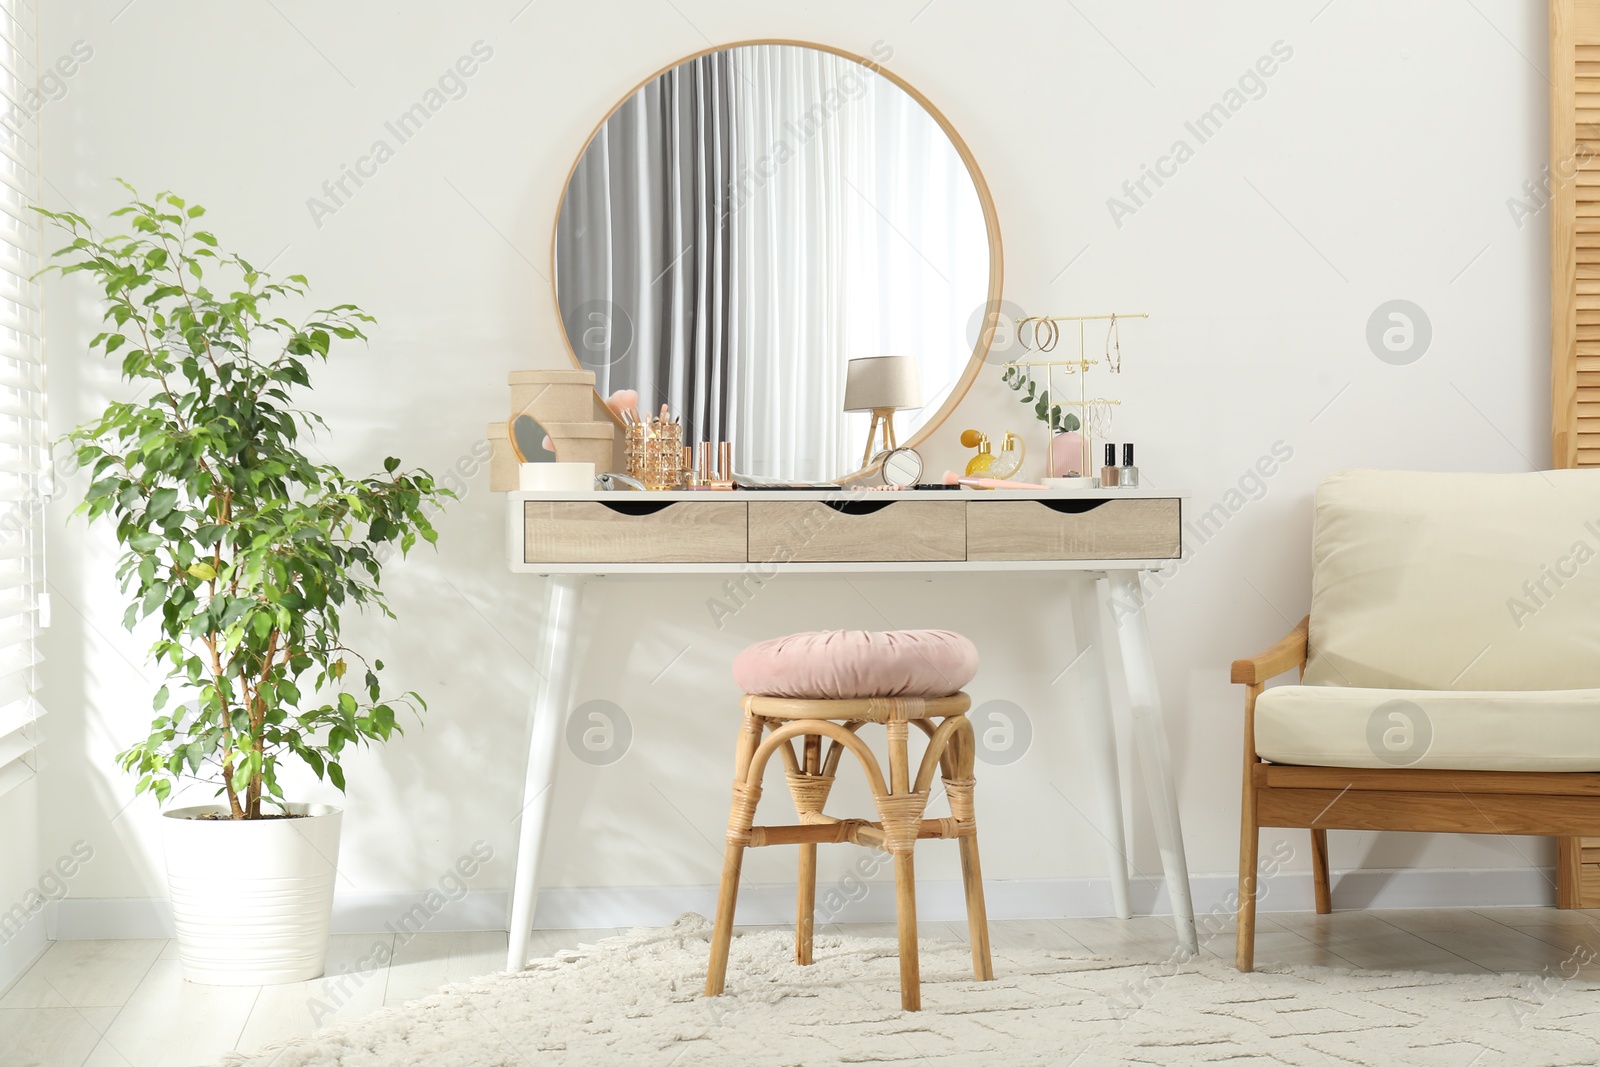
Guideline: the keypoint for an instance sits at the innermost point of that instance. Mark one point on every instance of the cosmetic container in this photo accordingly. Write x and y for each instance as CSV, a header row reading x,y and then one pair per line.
x,y
1110,474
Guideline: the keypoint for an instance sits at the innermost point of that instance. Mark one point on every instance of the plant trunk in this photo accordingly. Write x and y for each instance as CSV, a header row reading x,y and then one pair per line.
x,y
253,797
235,810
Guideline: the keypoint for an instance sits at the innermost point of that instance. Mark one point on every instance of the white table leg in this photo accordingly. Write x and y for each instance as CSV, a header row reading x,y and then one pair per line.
x,y
549,718
1150,738
1101,731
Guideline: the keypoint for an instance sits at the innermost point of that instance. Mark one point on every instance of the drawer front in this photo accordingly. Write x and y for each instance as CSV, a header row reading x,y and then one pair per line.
x,y
1114,529
861,531
642,531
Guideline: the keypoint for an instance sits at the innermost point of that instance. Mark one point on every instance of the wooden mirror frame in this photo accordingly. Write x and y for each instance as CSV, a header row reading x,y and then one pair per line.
x,y
991,222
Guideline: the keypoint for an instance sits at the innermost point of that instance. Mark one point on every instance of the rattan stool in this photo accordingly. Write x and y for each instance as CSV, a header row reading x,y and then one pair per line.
x,y
901,802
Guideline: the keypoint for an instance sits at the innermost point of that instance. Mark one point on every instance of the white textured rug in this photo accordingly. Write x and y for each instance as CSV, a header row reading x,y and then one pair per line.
x,y
636,999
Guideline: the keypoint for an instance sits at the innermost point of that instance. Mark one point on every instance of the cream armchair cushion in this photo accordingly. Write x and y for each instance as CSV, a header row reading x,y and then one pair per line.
x,y
1472,598
1468,582
1337,726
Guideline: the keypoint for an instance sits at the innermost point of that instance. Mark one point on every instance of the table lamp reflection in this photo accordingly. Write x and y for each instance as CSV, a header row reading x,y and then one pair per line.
x,y
882,385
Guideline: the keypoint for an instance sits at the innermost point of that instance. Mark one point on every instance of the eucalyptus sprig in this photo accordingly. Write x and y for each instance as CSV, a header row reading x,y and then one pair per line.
x,y
243,550
1051,414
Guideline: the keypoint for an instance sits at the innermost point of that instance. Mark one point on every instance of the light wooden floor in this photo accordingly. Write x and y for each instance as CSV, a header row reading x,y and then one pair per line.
x,y
124,1004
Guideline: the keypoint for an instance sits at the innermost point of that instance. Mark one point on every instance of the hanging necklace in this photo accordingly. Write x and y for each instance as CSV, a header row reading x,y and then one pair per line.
x,y
1114,347
1097,416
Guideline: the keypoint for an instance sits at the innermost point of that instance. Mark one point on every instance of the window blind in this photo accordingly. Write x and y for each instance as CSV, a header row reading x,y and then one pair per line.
x,y
25,476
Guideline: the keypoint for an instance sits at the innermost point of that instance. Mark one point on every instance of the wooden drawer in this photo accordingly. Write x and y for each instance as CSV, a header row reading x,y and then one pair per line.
x,y
1145,528
633,531
866,531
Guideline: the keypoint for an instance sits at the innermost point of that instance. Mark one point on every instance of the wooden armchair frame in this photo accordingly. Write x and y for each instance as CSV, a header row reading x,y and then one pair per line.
x,y
1558,804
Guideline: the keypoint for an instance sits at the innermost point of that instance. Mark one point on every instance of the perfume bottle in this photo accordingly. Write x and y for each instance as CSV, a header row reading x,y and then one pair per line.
x,y
1110,474
978,466
1128,477
1008,461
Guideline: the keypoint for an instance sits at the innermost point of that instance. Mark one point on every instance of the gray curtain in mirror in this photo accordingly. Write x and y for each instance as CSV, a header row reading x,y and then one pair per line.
x,y
646,222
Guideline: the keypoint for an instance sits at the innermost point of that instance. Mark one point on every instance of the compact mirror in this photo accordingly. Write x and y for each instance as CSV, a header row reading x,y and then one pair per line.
x,y
751,219
901,466
528,441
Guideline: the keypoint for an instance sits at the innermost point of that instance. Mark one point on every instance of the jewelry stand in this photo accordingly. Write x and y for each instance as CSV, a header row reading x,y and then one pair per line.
x,y
1080,367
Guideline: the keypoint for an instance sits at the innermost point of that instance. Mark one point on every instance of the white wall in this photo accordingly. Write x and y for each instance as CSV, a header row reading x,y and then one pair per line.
x,y
22,919
1376,166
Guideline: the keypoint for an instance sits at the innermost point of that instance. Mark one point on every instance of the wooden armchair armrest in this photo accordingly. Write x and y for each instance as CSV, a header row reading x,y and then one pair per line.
x,y
1285,655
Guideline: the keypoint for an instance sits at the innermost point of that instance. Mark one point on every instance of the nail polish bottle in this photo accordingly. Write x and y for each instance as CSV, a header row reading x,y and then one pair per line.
x,y
1110,474
1129,475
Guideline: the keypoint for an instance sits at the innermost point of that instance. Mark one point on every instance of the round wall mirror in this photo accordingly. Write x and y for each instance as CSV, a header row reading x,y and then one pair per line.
x,y
751,220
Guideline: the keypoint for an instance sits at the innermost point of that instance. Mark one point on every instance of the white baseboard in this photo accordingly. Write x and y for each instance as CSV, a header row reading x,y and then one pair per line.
x,y
92,918
853,901
943,901
21,950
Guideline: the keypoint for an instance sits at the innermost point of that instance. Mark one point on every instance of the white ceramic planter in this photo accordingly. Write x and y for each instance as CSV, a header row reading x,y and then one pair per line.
x,y
252,899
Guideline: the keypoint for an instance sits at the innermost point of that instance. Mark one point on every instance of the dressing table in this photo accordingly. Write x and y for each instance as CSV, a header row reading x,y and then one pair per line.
x,y
742,227
1081,537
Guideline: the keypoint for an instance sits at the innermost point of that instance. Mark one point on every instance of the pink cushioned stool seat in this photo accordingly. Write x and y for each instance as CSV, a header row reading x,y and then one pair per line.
x,y
854,664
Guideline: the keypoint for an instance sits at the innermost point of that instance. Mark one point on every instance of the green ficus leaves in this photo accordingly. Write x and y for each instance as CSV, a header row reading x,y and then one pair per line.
x,y
240,549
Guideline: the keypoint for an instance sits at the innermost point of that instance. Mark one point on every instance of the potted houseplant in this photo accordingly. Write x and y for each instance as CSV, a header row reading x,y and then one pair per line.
x,y
244,554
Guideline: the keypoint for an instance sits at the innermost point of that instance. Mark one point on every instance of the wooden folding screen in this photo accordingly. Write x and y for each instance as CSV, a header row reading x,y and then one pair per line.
x,y
1574,194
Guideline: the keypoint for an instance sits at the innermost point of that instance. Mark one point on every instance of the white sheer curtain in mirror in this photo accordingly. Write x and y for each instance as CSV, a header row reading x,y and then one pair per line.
x,y
792,246
918,264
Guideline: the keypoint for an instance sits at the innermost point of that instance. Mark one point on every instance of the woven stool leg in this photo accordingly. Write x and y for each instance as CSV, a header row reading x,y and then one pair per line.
x,y
901,814
977,915
805,908
958,789
740,818
905,910
810,789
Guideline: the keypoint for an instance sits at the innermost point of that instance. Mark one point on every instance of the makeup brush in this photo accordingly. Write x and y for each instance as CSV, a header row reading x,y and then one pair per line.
x,y
952,478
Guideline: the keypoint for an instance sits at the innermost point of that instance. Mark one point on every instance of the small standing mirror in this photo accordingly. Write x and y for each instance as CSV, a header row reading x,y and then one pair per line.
x,y
901,466
530,441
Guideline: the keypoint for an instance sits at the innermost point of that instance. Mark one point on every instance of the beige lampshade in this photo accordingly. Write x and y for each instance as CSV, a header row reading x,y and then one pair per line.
x,y
882,382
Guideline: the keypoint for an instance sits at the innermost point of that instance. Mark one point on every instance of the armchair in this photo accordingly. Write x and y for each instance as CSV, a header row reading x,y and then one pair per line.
x,y
1449,671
